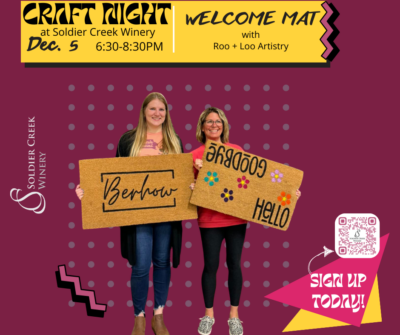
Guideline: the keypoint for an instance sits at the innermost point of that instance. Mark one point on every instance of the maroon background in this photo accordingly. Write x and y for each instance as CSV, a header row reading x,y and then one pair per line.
x,y
342,135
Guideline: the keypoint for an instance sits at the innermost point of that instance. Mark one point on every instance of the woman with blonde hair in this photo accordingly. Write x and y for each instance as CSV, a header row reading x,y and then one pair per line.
x,y
215,227
146,243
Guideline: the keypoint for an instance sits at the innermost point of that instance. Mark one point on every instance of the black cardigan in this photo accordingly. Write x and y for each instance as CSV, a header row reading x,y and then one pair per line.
x,y
128,233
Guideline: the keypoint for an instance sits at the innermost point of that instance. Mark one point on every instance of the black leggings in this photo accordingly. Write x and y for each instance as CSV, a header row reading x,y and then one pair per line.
x,y
211,239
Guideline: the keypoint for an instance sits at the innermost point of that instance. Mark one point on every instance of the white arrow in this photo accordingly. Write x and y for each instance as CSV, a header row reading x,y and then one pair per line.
x,y
326,252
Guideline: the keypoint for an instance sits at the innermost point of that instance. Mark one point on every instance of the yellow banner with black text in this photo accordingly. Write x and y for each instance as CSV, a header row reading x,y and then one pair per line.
x,y
173,32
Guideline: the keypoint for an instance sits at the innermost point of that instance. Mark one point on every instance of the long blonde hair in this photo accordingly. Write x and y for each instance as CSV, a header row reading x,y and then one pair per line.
x,y
201,137
170,141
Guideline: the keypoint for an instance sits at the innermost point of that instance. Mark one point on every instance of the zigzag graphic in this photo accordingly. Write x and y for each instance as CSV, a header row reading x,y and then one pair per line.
x,y
78,295
331,31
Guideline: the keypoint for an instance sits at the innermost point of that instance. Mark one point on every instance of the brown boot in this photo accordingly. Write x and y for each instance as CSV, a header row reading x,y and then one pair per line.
x,y
157,323
140,326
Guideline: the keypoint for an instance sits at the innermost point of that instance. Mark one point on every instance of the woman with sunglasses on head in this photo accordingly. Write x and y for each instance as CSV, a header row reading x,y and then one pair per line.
x,y
215,227
145,243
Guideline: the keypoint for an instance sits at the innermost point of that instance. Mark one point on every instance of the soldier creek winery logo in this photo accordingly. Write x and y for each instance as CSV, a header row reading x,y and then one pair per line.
x,y
33,201
358,236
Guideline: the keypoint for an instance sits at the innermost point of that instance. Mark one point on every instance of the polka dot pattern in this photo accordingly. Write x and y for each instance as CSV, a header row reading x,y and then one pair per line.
x,y
261,120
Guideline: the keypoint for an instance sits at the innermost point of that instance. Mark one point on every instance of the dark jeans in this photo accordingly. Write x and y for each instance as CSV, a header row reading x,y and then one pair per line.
x,y
212,239
153,243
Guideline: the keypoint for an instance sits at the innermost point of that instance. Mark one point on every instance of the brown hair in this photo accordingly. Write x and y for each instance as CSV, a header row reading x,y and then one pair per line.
x,y
170,141
201,137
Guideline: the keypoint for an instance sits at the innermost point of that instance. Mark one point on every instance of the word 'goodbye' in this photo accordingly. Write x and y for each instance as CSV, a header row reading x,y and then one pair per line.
x,y
240,161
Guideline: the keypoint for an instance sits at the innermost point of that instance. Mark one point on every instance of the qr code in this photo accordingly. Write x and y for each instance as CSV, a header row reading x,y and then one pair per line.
x,y
357,235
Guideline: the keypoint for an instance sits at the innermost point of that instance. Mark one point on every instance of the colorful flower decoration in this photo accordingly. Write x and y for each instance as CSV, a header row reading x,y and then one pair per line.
x,y
276,176
227,195
211,178
284,199
243,182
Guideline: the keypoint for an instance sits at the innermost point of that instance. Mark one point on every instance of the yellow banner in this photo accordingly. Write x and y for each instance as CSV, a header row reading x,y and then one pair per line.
x,y
172,32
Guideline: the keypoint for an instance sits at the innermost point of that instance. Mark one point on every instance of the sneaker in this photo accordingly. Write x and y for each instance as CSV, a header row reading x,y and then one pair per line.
x,y
206,324
235,326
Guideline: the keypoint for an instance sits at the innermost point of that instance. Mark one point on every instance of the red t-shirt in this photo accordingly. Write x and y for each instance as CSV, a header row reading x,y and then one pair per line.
x,y
207,217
